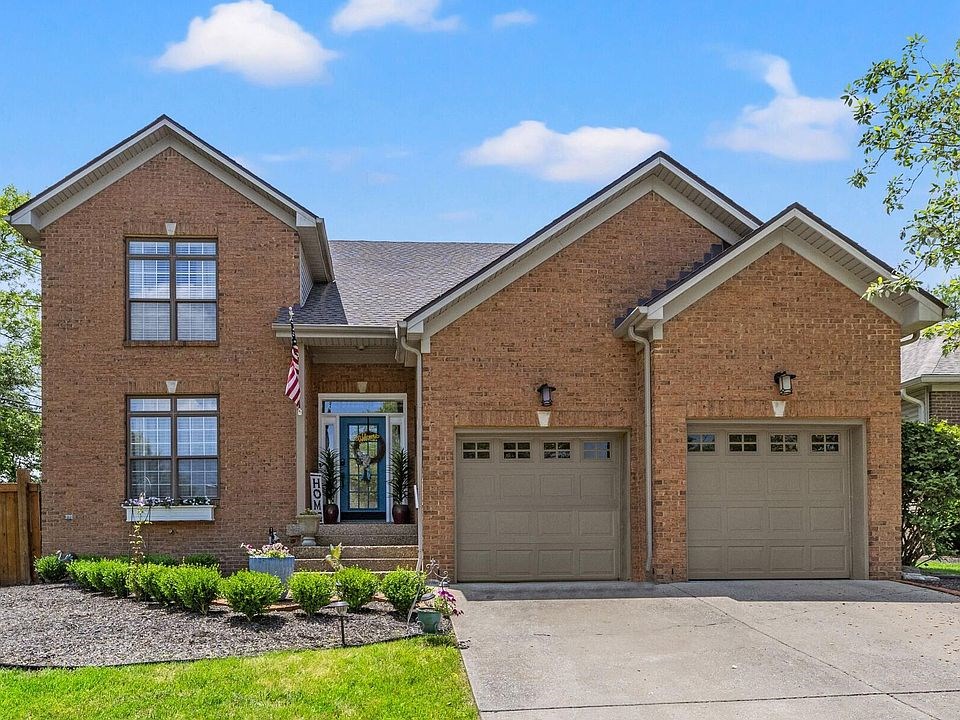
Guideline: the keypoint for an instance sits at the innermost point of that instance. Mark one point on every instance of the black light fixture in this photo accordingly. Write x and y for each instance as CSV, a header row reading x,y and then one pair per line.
x,y
784,382
341,609
546,394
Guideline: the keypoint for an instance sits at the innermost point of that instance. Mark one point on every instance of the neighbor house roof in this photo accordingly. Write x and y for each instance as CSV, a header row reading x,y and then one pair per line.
x,y
380,283
924,360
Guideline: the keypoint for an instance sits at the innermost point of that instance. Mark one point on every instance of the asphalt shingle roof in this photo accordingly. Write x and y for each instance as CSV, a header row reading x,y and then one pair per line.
x,y
925,357
379,283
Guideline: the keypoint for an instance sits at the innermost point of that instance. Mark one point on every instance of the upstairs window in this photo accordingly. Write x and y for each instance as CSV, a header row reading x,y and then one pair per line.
x,y
172,290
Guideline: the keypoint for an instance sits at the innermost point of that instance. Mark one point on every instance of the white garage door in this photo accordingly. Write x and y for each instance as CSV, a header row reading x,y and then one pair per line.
x,y
538,507
768,502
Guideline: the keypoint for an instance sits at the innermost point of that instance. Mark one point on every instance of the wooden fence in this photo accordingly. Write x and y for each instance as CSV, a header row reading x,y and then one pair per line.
x,y
19,529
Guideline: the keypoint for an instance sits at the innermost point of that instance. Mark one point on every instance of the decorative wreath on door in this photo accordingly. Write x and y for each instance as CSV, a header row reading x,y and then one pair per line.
x,y
360,448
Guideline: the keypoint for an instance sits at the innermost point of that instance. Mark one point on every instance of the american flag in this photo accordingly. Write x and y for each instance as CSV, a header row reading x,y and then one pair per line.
x,y
293,375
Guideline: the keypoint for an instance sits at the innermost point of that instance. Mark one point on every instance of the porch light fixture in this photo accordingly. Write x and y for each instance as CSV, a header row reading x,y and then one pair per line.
x,y
341,608
784,382
170,227
546,394
172,386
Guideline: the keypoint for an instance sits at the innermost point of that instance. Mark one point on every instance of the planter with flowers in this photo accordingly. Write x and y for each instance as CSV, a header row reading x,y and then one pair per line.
x,y
272,559
443,604
157,509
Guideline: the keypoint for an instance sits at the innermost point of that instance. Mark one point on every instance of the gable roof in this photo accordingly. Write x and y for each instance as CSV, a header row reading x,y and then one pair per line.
x,y
659,173
813,239
379,283
924,360
164,132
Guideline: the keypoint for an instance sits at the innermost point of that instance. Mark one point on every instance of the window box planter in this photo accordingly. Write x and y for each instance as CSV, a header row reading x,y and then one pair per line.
x,y
174,513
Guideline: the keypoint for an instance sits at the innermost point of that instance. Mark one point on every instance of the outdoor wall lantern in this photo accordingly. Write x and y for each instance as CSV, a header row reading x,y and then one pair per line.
x,y
784,382
341,608
546,394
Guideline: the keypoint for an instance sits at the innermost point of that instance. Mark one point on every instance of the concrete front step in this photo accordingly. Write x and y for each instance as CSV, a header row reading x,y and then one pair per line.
x,y
378,564
358,551
366,534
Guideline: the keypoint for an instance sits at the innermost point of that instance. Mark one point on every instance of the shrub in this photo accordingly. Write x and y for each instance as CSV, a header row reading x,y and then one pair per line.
x,y
50,568
80,571
196,587
931,489
159,559
311,590
403,588
355,586
202,560
113,576
249,593
95,576
167,586
143,579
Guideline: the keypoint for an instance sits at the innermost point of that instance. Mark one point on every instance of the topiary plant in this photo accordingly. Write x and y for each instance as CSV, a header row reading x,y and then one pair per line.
x,y
311,590
196,587
403,588
50,568
250,593
355,586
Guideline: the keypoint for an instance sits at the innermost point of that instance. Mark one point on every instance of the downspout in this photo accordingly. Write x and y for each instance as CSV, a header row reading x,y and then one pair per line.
x,y
921,405
418,489
647,444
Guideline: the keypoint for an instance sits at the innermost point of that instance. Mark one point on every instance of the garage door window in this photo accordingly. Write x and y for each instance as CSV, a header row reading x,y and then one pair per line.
x,y
742,442
701,442
827,443
516,451
596,450
559,450
784,444
476,451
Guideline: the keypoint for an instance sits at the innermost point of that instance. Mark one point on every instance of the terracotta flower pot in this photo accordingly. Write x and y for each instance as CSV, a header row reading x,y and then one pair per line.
x,y
401,514
331,514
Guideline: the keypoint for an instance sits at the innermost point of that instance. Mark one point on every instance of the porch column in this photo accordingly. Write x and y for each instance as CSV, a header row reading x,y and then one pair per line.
x,y
305,400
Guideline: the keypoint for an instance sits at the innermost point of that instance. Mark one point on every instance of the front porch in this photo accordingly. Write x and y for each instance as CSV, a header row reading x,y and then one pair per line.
x,y
380,547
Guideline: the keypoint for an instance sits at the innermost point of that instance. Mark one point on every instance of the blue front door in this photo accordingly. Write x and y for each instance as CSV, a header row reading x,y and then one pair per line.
x,y
363,444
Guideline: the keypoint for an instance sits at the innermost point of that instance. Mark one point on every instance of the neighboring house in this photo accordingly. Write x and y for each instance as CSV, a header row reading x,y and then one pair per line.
x,y
929,381
167,270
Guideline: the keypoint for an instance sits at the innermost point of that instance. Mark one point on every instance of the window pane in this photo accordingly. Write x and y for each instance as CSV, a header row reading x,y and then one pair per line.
x,y
149,321
196,436
362,407
149,279
150,478
516,451
149,404
596,450
701,442
149,247
476,450
196,248
194,404
149,436
197,478
196,279
196,321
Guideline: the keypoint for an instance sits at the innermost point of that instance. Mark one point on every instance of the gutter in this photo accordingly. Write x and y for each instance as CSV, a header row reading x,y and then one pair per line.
x,y
418,488
922,414
647,443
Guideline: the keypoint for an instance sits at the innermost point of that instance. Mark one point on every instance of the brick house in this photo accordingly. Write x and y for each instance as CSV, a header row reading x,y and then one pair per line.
x,y
655,385
929,381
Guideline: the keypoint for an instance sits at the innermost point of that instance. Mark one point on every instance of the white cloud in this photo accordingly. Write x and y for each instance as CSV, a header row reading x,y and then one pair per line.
x,y
253,39
514,17
416,14
587,153
791,126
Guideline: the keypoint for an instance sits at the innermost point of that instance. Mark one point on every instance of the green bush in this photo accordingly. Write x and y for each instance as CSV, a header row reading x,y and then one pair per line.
x,y
202,560
197,587
930,490
113,576
355,586
143,581
311,590
50,568
159,559
249,593
167,587
403,588
81,572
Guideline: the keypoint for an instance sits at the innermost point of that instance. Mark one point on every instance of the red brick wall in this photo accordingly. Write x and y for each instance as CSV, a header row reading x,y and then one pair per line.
x,y
554,324
945,405
88,370
717,360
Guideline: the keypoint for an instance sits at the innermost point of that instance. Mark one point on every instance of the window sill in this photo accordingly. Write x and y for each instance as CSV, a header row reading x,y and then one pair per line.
x,y
177,513
171,343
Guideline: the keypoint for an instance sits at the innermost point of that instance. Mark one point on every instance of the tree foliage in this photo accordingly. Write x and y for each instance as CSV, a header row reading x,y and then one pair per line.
x,y
19,345
931,489
909,111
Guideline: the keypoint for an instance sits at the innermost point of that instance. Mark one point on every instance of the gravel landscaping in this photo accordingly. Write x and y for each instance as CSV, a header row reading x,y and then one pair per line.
x,y
62,626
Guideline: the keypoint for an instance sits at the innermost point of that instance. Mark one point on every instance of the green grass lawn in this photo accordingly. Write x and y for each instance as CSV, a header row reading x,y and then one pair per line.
x,y
941,568
417,678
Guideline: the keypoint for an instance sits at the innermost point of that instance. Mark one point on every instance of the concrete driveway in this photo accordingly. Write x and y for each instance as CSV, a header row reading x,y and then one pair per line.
x,y
711,650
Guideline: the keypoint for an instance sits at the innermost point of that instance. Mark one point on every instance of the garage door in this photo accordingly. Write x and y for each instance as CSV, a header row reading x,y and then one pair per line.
x,y
538,507
768,502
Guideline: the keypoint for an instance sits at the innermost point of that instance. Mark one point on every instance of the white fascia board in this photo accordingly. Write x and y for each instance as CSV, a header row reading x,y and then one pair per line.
x,y
722,202
352,332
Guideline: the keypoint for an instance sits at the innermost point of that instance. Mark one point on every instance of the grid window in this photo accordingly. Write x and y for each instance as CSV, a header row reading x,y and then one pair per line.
x,y
172,290
173,447
479,450
516,451
742,442
701,442
780,443
559,450
825,443
596,449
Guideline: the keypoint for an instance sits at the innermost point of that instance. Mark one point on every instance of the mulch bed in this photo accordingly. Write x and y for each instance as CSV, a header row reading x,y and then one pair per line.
x,y
62,626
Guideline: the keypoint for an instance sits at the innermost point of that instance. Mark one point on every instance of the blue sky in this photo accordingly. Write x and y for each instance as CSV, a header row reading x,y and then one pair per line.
x,y
447,120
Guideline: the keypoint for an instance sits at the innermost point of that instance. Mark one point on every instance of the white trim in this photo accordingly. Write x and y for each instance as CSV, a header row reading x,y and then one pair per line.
x,y
174,513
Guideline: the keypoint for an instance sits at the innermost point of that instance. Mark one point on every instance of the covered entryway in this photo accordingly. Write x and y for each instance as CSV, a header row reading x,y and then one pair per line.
x,y
769,502
539,506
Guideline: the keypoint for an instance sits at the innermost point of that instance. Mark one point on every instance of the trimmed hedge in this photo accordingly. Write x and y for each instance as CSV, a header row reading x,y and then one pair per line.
x,y
50,568
355,586
113,576
403,588
250,593
203,560
196,587
311,590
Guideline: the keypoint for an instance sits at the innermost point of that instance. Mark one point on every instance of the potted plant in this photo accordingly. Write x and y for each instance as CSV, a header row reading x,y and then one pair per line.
x,y
272,559
310,522
330,482
400,485
443,604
